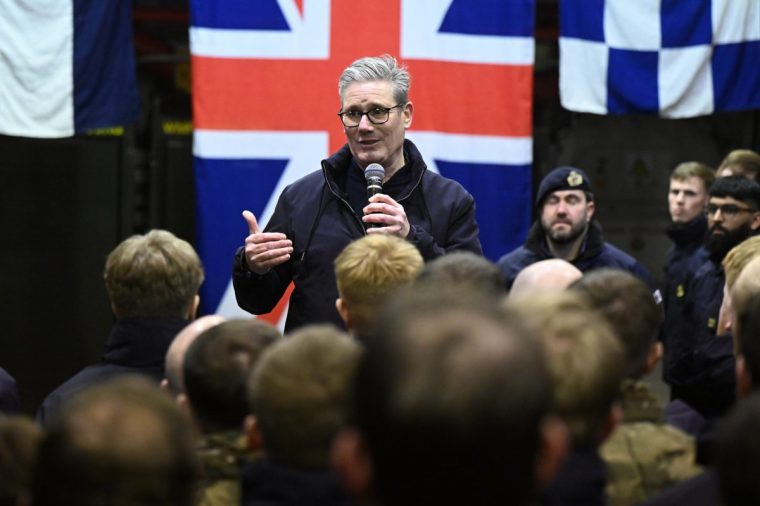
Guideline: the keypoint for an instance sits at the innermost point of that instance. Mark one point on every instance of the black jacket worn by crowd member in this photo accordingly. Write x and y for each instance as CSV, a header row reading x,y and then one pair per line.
x,y
594,253
697,324
321,214
9,400
579,482
269,484
683,260
134,346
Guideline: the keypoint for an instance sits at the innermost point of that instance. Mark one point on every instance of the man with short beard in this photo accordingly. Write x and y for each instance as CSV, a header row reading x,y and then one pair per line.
x,y
733,215
566,230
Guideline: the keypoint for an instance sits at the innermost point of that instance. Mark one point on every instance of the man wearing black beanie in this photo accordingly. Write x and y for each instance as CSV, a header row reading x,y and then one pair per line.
x,y
566,229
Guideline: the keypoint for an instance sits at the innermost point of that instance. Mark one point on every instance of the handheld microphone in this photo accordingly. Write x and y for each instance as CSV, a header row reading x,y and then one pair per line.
x,y
374,174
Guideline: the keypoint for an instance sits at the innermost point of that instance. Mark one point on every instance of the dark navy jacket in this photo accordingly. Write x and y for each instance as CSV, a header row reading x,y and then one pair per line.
x,y
133,347
698,324
683,260
317,214
9,400
594,253
269,484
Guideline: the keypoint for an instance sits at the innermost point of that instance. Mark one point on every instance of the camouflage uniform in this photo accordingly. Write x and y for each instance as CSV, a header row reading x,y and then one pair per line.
x,y
222,456
644,455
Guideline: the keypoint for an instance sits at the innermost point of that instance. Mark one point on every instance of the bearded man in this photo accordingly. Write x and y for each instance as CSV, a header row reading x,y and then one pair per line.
x,y
566,229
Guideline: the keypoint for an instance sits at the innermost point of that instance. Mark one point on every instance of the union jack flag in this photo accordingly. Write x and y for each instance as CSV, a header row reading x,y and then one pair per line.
x,y
265,99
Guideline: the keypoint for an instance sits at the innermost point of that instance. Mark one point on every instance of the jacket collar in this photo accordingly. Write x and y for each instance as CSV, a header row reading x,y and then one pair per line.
x,y
336,167
688,234
141,342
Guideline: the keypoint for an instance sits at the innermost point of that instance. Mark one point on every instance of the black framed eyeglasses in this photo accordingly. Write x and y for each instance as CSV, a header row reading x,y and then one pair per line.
x,y
729,210
376,116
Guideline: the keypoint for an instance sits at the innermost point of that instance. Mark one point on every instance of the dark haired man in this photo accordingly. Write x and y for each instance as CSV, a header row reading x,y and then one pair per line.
x,y
733,215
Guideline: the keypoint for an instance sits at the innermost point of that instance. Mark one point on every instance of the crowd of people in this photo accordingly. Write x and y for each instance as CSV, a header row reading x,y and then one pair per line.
x,y
413,370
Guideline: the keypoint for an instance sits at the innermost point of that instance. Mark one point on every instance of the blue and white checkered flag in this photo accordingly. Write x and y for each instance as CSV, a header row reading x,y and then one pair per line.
x,y
674,58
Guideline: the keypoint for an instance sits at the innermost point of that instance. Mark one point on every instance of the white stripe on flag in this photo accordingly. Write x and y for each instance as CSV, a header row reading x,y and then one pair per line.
x,y
36,61
308,37
473,148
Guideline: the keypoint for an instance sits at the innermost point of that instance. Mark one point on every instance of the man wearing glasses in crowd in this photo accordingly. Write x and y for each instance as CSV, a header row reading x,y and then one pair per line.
x,y
318,215
733,215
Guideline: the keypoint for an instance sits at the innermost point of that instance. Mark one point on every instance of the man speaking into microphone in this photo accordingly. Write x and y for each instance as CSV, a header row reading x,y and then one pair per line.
x,y
318,215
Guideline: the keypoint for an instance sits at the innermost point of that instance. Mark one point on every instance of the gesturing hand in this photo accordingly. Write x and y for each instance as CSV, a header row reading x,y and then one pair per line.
x,y
264,250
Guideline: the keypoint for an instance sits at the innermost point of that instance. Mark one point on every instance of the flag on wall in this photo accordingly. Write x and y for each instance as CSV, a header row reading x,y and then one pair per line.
x,y
66,66
265,98
675,58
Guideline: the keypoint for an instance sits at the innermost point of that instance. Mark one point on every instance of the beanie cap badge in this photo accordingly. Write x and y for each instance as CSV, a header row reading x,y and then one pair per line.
x,y
574,178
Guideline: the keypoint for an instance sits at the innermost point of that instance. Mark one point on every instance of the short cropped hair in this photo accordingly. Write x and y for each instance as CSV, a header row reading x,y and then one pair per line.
x,y
737,454
216,370
153,275
369,269
745,303
685,170
450,398
378,68
300,394
119,443
738,188
585,358
629,307
738,258
742,162
19,440
464,269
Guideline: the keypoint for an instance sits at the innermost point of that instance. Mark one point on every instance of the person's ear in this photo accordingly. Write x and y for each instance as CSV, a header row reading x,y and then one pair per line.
x,y
654,356
755,223
252,433
555,445
193,310
407,114
351,461
614,417
743,378
340,305
590,209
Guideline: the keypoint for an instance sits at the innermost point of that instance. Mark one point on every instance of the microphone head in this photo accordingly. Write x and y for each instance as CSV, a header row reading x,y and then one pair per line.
x,y
374,170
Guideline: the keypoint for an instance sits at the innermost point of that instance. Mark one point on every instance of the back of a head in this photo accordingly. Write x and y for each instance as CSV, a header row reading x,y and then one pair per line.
x,y
216,369
300,392
368,270
551,275
738,188
450,397
463,270
585,358
153,275
175,355
738,258
627,304
746,306
737,454
686,170
120,443
741,162
19,440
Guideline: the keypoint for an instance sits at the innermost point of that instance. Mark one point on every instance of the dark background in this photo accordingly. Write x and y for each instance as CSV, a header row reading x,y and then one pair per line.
x,y
67,203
